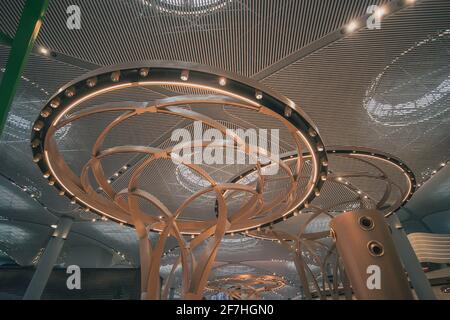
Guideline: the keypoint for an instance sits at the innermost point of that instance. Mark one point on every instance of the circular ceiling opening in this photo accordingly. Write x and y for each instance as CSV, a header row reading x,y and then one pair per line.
x,y
184,7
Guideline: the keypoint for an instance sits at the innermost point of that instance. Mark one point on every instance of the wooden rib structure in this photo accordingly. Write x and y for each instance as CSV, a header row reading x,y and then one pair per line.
x,y
124,206
303,244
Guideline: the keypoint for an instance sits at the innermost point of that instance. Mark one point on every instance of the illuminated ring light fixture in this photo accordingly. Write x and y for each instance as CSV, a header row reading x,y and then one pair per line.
x,y
123,206
244,92
365,156
303,242
250,285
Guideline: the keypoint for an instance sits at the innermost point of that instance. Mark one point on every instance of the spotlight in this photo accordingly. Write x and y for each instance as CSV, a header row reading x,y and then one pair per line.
x,y
312,132
38,125
54,226
287,112
46,112
222,81
258,95
144,72
92,82
320,147
35,143
70,92
115,76
37,157
55,103
184,75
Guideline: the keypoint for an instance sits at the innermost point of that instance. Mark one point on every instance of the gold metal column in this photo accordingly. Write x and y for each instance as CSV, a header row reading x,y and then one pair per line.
x,y
364,242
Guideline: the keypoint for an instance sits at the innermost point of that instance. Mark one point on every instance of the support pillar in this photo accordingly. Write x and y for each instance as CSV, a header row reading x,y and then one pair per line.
x,y
27,31
412,265
48,259
365,244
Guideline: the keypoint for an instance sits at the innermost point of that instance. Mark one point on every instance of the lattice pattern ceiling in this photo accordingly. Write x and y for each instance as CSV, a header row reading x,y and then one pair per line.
x,y
372,88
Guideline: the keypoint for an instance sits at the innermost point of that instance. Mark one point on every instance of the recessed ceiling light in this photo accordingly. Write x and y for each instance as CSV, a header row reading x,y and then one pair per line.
x,y
352,26
44,51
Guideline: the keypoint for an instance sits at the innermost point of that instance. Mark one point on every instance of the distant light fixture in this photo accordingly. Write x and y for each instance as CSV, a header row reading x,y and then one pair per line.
x,y
258,95
54,226
380,12
352,26
44,51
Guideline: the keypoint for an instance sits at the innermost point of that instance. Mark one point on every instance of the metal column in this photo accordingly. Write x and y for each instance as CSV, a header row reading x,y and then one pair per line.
x,y
370,257
27,31
48,259
409,259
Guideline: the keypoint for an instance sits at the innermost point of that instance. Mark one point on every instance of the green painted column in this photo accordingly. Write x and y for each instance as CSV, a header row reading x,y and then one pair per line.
x,y
27,31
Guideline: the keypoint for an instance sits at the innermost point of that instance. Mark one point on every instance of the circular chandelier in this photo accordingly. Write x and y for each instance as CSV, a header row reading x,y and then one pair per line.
x,y
247,286
354,171
133,196
61,110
